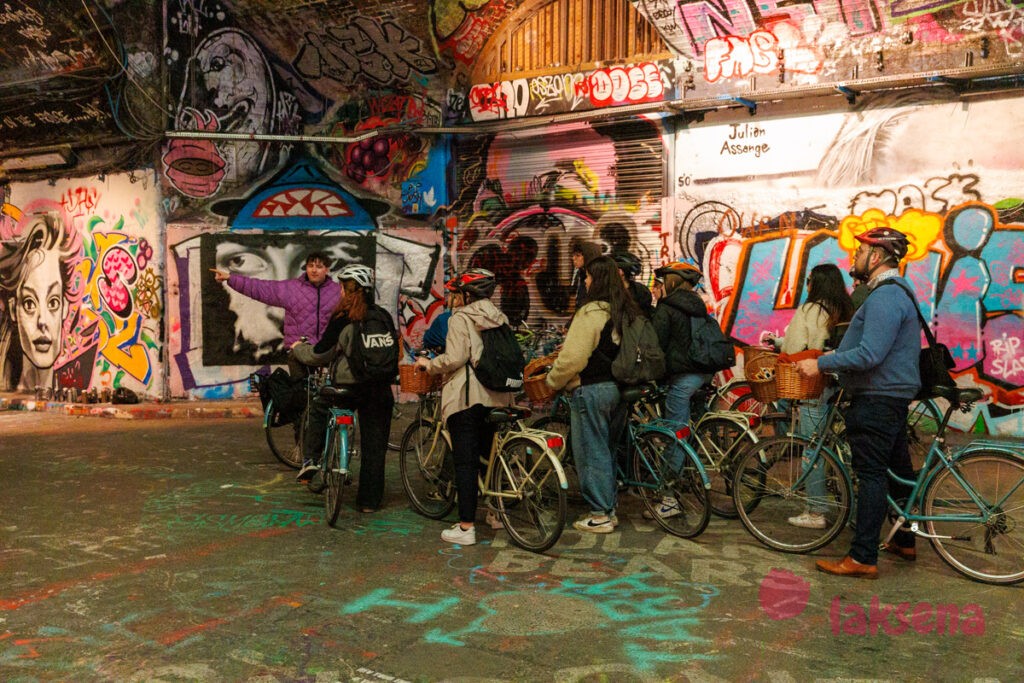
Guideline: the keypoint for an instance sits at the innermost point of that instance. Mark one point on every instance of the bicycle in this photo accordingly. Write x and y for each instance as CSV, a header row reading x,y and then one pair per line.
x,y
522,479
674,488
285,436
969,500
719,438
339,448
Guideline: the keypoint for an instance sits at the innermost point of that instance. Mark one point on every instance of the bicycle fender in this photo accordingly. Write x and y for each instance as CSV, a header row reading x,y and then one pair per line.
x,y
541,440
662,427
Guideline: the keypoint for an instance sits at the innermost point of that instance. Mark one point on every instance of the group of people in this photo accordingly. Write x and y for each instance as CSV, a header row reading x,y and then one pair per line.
x,y
876,361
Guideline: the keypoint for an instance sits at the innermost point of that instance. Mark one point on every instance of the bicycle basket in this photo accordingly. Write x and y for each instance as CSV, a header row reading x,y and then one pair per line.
x,y
534,374
791,384
759,368
417,381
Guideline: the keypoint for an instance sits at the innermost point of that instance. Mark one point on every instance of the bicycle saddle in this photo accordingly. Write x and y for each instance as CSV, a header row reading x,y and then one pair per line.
x,y
335,394
957,395
631,395
509,414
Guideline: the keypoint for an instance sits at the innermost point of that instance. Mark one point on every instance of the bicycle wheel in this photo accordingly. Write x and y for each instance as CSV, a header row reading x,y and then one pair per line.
x,y
528,495
560,425
670,485
770,489
285,440
337,453
428,472
990,551
721,442
923,422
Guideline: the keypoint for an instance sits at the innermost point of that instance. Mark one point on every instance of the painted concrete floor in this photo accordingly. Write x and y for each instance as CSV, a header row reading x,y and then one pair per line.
x,y
179,550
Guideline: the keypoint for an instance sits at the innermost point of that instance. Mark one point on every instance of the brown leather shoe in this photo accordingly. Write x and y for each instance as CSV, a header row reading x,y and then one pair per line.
x,y
848,567
907,554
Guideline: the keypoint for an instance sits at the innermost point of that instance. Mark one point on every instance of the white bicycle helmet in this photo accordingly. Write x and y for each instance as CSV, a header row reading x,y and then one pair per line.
x,y
360,274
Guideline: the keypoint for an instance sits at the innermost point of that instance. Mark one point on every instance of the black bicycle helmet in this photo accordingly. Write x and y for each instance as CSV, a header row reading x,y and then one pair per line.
x,y
478,282
628,263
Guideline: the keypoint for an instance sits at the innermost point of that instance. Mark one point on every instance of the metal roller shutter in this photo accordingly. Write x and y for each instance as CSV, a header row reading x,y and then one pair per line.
x,y
522,199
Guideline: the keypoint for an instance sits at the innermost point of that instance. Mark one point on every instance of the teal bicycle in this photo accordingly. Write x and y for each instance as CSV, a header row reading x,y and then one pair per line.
x,y
339,448
967,501
664,470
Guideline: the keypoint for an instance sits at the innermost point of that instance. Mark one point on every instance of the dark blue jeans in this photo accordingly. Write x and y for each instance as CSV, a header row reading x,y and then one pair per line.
x,y
876,429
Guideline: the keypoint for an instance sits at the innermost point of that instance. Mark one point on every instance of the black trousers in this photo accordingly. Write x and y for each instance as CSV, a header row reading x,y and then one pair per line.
x,y
374,404
471,444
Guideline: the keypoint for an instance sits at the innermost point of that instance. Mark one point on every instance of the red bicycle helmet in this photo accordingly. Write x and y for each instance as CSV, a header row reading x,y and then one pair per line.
x,y
476,281
893,241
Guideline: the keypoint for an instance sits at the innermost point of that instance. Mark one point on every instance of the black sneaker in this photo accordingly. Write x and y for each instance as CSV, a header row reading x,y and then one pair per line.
x,y
318,483
309,468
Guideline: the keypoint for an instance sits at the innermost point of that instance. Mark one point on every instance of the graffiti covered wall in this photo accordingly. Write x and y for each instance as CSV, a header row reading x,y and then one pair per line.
x,y
81,279
760,201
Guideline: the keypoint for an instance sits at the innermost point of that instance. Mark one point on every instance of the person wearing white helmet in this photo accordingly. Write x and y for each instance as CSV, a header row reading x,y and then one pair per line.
x,y
877,362
373,401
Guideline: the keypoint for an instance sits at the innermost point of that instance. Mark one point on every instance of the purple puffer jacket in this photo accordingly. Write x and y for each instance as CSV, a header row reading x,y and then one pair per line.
x,y
307,308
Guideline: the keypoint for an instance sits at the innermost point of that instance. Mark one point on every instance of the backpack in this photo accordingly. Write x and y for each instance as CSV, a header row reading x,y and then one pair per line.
x,y
710,350
288,394
375,348
934,361
640,358
501,364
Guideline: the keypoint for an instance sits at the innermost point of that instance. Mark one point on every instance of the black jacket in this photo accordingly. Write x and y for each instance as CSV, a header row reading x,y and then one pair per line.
x,y
671,320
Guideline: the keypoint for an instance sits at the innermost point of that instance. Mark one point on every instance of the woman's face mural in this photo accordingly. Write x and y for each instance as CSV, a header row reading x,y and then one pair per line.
x,y
39,307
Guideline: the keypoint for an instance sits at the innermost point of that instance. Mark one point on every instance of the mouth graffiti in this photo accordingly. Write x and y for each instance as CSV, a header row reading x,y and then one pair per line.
x,y
195,167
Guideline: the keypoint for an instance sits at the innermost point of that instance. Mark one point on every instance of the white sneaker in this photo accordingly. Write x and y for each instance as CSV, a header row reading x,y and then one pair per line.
x,y
808,520
308,469
493,520
669,507
596,523
456,534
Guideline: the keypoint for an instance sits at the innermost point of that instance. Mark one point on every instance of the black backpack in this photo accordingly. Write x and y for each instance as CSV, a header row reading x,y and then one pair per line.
x,y
710,350
375,348
288,394
501,364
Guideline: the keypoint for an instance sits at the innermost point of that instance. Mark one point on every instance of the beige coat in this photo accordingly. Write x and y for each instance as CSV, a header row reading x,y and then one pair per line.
x,y
581,339
807,330
463,345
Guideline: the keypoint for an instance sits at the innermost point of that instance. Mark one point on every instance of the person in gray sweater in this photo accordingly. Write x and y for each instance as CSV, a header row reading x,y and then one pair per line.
x,y
877,363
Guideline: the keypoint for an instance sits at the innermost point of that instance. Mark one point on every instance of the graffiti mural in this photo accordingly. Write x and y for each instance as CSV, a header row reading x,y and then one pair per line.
x,y
522,205
225,82
80,290
604,87
218,337
957,199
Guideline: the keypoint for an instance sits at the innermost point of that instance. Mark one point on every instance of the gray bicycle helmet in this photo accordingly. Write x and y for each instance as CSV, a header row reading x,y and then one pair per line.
x,y
628,263
478,282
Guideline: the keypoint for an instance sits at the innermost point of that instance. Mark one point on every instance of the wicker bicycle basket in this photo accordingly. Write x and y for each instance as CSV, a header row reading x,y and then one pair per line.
x,y
415,380
759,367
791,384
534,374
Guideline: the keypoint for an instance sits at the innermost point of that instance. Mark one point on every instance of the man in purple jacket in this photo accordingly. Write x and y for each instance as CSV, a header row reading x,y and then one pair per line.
x,y
307,300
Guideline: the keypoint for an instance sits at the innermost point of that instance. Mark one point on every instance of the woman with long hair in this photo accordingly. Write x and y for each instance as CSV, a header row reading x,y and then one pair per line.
x,y
584,368
35,271
373,401
828,308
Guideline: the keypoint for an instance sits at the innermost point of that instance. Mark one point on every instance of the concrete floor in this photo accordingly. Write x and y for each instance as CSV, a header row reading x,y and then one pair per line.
x,y
179,550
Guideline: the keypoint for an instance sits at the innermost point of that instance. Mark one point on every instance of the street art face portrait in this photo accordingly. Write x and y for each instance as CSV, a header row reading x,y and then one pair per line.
x,y
238,330
228,89
33,278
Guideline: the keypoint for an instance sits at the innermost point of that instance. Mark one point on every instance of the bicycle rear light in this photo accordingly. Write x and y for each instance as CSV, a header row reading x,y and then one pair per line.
x,y
343,420
753,421
555,442
683,433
